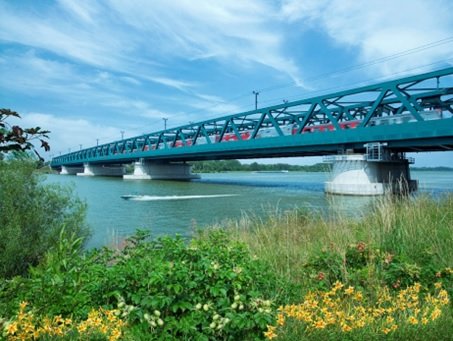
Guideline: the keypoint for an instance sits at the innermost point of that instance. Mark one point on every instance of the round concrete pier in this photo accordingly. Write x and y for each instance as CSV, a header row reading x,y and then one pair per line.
x,y
354,174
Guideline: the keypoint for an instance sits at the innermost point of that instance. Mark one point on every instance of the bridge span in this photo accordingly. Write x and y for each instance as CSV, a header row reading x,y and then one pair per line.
x,y
364,131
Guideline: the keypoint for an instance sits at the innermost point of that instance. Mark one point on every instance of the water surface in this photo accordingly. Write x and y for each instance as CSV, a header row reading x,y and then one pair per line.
x,y
180,207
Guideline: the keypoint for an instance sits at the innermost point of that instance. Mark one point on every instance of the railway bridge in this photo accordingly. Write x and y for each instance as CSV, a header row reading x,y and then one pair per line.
x,y
365,132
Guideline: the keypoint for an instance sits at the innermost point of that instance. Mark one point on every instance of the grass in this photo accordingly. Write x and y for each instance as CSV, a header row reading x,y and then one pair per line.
x,y
399,243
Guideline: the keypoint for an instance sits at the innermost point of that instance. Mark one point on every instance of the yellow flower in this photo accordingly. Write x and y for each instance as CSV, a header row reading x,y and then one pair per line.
x,y
270,334
435,314
425,320
320,324
412,320
346,328
349,290
12,328
358,296
337,286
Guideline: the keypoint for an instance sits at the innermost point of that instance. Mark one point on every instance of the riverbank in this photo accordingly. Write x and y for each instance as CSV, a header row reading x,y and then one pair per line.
x,y
292,275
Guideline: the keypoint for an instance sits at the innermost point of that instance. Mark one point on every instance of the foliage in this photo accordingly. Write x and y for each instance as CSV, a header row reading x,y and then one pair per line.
x,y
344,313
14,138
398,243
235,165
210,289
382,276
32,215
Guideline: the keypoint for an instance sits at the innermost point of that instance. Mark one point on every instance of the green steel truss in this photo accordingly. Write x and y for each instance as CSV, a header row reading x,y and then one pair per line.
x,y
409,114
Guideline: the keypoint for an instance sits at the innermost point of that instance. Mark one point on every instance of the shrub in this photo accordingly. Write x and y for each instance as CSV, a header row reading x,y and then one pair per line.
x,y
208,289
31,216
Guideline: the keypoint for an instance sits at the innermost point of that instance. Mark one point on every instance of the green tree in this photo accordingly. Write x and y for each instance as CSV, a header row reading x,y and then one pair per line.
x,y
32,215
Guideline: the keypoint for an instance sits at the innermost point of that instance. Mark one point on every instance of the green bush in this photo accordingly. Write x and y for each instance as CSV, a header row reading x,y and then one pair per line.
x,y
31,216
209,289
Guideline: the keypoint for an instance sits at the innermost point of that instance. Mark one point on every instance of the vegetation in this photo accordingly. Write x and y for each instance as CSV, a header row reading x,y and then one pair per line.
x,y
32,215
402,246
13,138
437,169
292,276
235,166
210,288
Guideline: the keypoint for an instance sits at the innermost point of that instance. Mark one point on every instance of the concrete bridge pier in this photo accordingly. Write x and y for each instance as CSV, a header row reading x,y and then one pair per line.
x,y
65,170
102,170
374,173
146,170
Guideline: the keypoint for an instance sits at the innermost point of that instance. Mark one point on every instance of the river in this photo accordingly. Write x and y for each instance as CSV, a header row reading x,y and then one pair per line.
x,y
174,207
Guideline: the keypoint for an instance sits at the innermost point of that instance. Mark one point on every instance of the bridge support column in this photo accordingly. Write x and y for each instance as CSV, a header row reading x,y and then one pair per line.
x,y
65,170
370,174
146,170
102,170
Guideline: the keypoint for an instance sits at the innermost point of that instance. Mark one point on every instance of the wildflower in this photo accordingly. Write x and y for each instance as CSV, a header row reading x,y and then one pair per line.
x,y
361,246
358,296
435,314
424,320
412,320
349,290
438,285
438,274
22,305
11,329
346,328
337,286
270,333
320,276
320,324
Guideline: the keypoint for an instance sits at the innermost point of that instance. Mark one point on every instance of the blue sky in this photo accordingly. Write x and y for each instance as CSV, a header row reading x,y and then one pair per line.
x,y
88,70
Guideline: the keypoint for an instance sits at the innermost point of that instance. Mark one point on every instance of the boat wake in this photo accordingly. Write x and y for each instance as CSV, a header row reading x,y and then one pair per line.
x,y
136,197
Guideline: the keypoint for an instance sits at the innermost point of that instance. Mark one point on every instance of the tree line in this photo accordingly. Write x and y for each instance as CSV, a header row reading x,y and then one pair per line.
x,y
218,166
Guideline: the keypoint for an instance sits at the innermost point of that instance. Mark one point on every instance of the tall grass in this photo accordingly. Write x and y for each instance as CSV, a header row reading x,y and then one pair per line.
x,y
415,231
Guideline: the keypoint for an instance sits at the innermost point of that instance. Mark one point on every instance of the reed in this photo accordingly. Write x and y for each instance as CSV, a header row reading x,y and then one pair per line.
x,y
414,233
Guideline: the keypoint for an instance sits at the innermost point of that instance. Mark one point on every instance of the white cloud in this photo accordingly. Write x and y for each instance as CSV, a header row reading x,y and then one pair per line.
x,y
380,28
69,133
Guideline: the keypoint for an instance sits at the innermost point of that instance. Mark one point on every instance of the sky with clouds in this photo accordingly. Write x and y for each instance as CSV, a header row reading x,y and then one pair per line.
x,y
88,70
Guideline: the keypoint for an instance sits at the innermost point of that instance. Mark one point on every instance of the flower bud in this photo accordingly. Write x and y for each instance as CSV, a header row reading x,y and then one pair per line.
x,y
160,322
234,305
198,306
157,313
205,307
